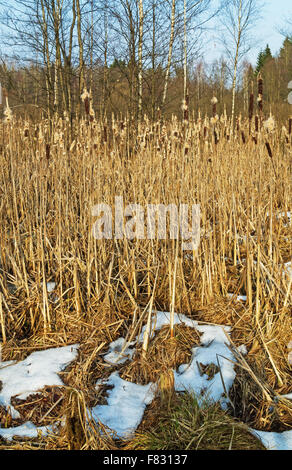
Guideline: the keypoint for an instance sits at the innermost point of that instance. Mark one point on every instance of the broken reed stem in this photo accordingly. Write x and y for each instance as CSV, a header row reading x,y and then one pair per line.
x,y
148,325
173,292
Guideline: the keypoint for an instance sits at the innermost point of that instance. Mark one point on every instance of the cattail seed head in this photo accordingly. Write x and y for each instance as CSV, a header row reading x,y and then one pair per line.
x,y
269,124
8,116
214,102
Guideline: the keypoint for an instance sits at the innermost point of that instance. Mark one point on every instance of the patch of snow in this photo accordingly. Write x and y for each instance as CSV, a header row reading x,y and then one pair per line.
x,y
127,401
161,319
51,286
242,349
126,405
33,373
288,269
274,440
280,215
25,430
114,356
214,351
238,298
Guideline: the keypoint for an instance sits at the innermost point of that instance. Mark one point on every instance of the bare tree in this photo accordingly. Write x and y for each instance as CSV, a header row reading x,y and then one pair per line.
x,y
171,39
237,18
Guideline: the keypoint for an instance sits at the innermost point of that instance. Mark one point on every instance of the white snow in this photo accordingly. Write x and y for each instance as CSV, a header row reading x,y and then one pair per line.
x,y
126,404
51,286
279,215
161,319
214,350
274,440
27,429
33,373
288,269
115,356
288,396
239,297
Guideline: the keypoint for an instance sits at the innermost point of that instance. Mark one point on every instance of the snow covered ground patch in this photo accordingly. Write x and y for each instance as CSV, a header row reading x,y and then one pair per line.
x,y
127,401
119,352
274,440
214,350
126,405
38,370
27,429
209,374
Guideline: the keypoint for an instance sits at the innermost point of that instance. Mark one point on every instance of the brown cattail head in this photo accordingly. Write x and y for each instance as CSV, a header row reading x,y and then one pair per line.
x,y
216,137
48,151
256,123
260,85
250,108
104,133
269,150
290,126
271,157
260,92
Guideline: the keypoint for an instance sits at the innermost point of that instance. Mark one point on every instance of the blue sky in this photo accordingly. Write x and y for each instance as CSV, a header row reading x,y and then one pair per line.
x,y
272,18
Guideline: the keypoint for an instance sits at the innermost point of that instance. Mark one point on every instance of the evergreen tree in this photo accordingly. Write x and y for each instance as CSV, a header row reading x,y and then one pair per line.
x,y
286,51
268,53
260,62
262,59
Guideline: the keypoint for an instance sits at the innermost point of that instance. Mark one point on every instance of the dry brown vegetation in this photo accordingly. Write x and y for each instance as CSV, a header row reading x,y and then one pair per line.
x,y
52,174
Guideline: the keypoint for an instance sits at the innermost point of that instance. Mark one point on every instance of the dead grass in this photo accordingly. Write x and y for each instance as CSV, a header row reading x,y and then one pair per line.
x,y
184,425
164,353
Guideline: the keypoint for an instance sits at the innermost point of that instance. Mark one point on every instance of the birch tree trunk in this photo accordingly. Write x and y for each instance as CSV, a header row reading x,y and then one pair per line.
x,y
185,50
56,13
46,56
105,68
81,60
140,63
171,39
153,60
236,63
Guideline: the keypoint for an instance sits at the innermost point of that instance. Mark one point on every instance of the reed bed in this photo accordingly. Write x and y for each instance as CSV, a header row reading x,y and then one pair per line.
x,y
53,173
